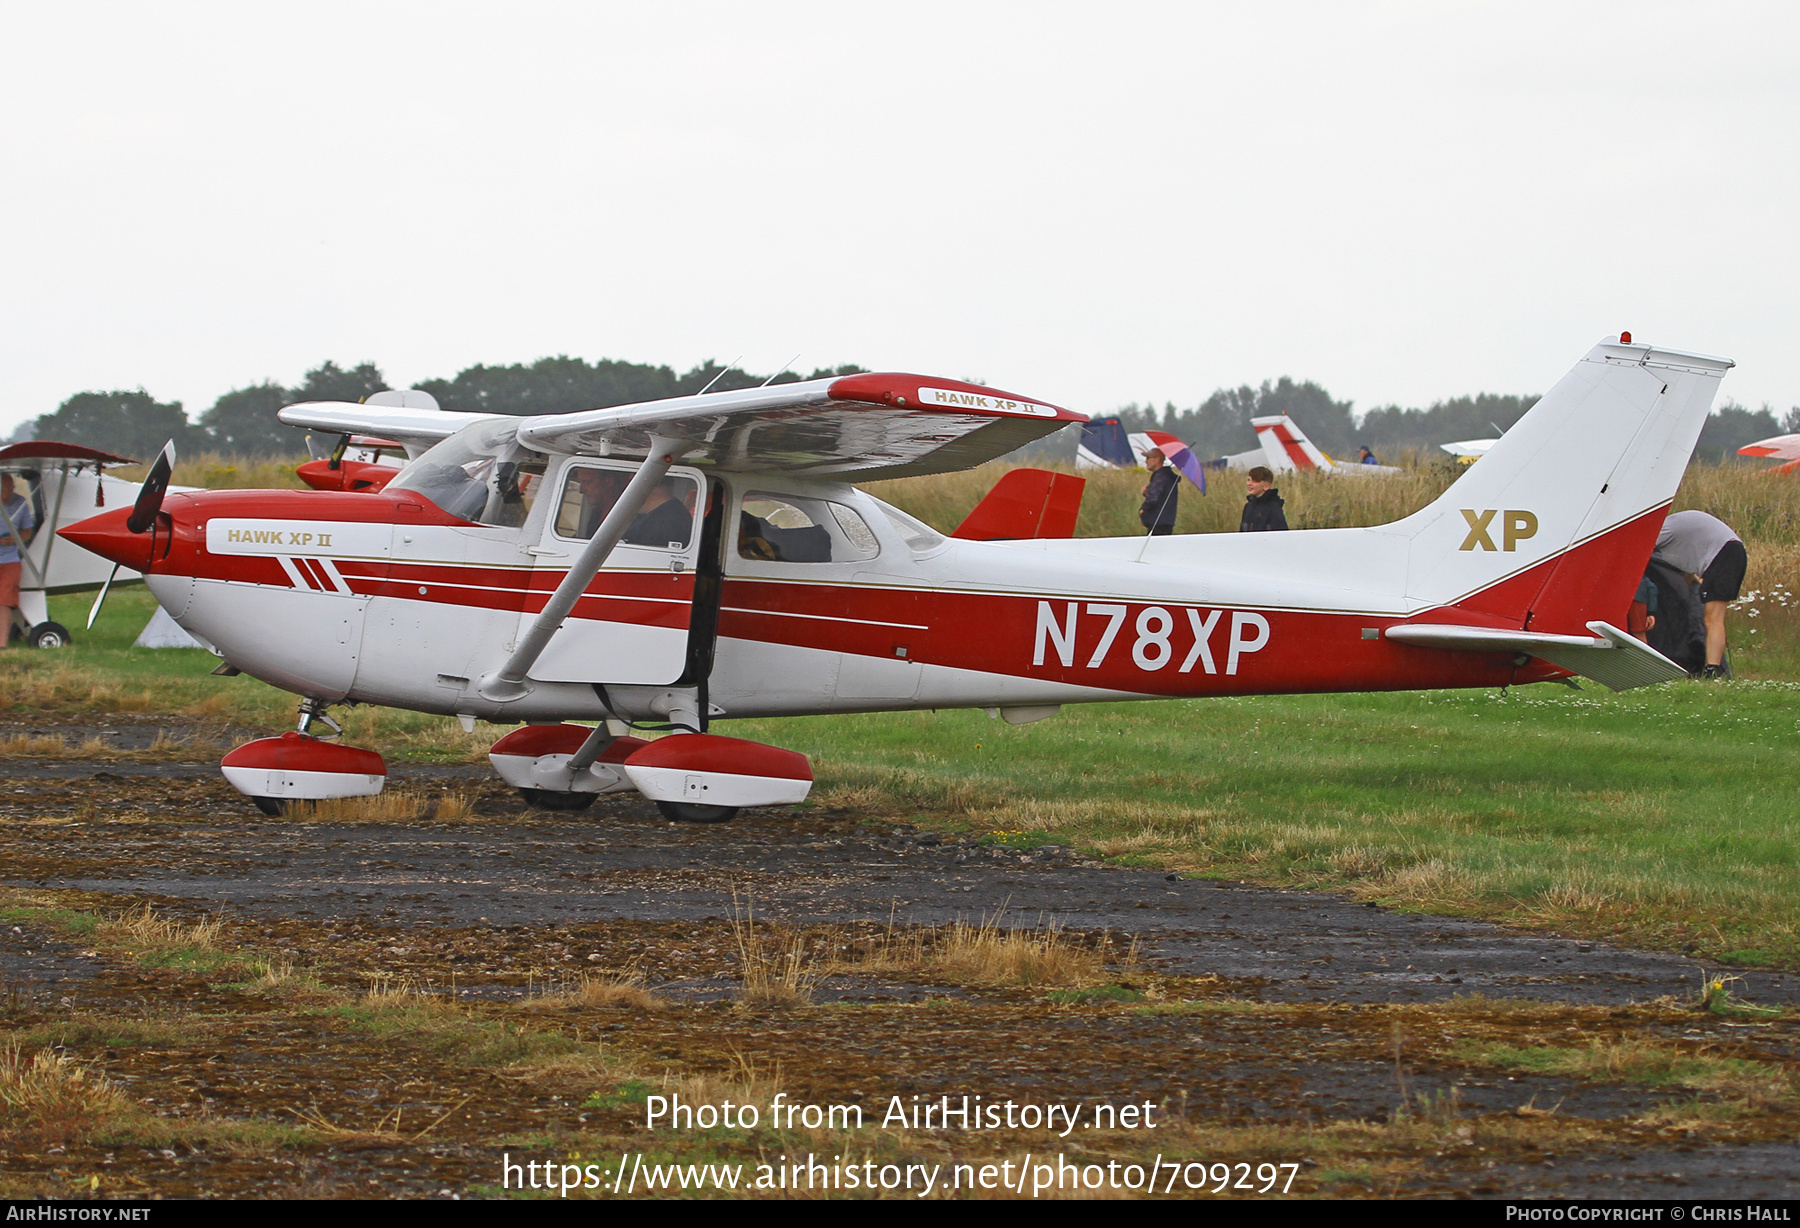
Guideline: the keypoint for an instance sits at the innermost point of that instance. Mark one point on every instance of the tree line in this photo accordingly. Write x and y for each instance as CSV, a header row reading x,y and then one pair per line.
x,y
1220,425
242,422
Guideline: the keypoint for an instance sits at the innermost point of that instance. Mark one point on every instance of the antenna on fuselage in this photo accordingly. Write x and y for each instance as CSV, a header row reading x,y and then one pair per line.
x,y
784,366
721,375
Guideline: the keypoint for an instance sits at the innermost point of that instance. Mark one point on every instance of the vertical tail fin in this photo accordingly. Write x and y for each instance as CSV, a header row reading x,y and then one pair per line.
x,y
1554,525
1287,446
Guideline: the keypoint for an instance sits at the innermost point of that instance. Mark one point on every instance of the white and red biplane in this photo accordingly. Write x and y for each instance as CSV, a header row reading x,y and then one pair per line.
x,y
701,558
61,483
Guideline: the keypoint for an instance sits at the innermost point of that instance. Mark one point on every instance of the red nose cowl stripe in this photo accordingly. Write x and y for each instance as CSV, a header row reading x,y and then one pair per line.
x,y
107,536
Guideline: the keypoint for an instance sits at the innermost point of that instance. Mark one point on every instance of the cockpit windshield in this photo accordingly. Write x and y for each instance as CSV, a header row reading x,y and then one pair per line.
x,y
481,473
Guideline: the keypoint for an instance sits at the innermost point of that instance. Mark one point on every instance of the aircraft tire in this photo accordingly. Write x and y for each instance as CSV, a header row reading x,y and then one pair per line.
x,y
687,812
554,799
48,635
268,805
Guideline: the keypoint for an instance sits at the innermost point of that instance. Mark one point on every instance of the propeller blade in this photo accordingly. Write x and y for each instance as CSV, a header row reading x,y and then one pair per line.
x,y
156,484
101,599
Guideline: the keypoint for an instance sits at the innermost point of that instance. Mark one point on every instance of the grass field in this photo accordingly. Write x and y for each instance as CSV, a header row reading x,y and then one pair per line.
x,y
1663,817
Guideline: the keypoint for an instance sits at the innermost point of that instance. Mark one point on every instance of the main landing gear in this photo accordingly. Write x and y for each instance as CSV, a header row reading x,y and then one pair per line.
x,y
692,777
300,766
48,635
563,767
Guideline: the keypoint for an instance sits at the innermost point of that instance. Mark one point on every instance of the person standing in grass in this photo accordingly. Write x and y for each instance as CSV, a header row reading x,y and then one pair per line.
x,y
1704,547
1157,512
18,510
1262,507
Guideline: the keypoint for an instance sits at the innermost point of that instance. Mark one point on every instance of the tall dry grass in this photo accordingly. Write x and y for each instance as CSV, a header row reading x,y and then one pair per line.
x,y
597,990
773,968
221,471
384,807
985,954
1762,508
1110,499
143,930
52,1097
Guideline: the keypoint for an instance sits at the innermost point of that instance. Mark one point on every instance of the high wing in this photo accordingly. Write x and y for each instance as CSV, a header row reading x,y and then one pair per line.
x,y
26,455
875,425
413,428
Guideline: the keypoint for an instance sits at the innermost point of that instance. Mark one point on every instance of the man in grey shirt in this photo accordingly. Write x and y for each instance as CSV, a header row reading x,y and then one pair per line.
x,y
1705,548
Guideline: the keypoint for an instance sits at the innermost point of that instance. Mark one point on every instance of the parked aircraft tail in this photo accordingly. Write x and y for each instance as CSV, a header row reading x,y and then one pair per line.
x,y
1286,446
1553,526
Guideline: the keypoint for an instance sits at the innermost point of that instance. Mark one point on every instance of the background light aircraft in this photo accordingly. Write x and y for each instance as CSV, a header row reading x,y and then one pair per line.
x,y
1468,451
1281,445
1779,448
64,483
357,462
1105,445
701,558
365,462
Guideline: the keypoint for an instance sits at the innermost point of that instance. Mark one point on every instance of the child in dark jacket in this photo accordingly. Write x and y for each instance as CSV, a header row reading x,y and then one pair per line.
x,y
1262,510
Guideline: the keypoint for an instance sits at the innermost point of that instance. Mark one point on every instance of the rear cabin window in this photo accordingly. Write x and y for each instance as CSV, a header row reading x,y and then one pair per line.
x,y
790,529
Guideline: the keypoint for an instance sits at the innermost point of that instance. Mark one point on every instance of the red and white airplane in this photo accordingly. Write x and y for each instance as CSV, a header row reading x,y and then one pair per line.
x,y
703,558
1784,448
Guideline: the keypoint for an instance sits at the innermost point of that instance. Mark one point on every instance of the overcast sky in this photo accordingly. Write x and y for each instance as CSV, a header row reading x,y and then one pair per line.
x,y
1086,204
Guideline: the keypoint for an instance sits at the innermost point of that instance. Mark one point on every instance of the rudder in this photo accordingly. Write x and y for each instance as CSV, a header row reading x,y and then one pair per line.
x,y
1554,525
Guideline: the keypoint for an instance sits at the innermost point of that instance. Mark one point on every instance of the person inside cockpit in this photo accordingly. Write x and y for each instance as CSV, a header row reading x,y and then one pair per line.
x,y
667,518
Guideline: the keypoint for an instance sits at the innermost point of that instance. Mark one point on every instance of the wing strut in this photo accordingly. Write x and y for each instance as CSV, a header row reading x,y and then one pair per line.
x,y
508,682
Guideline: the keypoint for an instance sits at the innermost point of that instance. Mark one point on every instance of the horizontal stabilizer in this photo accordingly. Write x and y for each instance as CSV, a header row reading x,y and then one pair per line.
x,y
1610,656
1025,503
